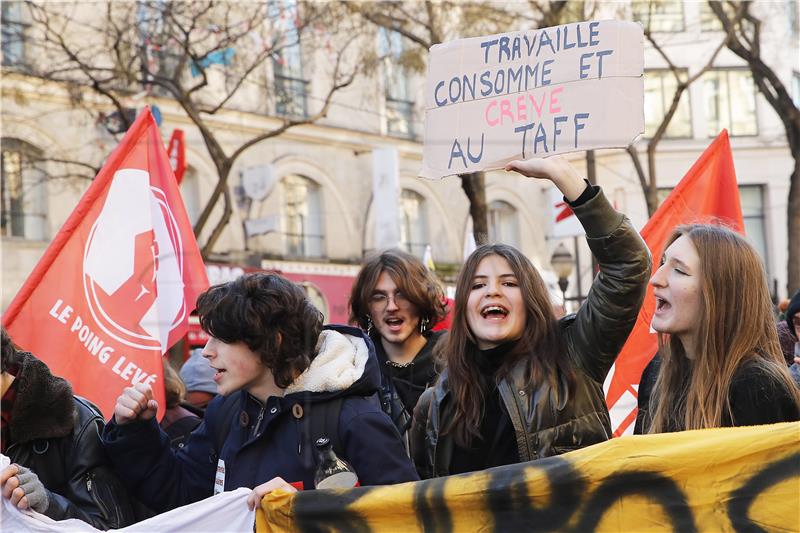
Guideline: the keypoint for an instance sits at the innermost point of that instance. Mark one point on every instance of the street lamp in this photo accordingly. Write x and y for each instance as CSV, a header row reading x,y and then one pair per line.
x,y
562,263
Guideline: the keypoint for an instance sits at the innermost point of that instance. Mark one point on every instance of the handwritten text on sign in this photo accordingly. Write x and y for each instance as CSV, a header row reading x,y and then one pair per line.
x,y
490,100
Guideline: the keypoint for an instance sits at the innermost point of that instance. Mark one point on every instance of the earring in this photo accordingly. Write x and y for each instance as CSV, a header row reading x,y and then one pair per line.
x,y
423,325
369,326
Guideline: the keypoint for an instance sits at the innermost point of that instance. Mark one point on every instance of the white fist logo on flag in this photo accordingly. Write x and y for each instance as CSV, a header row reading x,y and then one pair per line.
x,y
133,264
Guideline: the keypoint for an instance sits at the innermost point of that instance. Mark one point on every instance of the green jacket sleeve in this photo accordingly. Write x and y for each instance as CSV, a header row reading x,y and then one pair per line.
x,y
596,334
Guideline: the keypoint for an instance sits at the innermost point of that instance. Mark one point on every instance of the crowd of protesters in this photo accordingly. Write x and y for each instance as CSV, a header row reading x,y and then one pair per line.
x,y
510,382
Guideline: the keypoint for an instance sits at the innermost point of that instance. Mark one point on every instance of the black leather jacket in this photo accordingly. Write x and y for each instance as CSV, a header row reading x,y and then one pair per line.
x,y
57,435
593,338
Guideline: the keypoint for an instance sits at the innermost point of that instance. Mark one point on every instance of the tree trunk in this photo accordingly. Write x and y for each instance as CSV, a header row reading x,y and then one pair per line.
x,y
222,223
651,194
221,162
474,185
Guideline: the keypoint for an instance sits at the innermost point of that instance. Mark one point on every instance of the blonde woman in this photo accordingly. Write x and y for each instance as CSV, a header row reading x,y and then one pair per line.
x,y
719,362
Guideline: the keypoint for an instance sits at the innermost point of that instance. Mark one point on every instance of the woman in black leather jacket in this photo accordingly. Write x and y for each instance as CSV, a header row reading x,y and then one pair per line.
x,y
59,467
520,384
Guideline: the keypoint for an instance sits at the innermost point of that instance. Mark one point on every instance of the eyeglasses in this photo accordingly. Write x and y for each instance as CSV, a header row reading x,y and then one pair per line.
x,y
381,300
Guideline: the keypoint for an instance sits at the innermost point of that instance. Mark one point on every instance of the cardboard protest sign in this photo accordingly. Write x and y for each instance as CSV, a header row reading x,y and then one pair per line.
x,y
534,93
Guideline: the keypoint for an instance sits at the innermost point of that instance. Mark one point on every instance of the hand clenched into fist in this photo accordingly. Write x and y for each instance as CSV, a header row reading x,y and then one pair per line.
x,y
135,403
22,486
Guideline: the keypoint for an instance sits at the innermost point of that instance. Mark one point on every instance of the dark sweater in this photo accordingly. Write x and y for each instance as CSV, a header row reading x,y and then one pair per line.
x,y
755,397
497,444
411,380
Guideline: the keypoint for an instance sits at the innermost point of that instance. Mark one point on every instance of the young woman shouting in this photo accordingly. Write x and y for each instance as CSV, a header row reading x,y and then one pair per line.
x,y
520,384
719,362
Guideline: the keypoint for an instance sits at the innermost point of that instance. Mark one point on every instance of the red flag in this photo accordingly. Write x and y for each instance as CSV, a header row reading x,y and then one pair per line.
x,y
565,212
114,289
708,192
177,154
447,322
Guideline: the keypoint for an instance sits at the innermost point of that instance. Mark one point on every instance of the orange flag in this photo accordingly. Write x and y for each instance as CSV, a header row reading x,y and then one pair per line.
x,y
114,289
707,193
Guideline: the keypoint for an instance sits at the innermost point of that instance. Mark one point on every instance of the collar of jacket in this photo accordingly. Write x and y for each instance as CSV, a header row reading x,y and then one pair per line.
x,y
43,408
509,388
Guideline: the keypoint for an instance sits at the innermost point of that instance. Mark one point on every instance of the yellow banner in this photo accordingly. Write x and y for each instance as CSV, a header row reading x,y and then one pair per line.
x,y
733,479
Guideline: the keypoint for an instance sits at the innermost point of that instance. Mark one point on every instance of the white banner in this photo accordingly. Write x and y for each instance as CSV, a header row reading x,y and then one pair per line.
x,y
224,512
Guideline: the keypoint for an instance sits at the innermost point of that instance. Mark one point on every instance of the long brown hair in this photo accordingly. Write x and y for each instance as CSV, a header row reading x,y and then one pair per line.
x,y
540,344
174,388
736,326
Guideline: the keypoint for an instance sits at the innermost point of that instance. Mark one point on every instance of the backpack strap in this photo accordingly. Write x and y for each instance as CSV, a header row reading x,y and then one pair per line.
x,y
323,421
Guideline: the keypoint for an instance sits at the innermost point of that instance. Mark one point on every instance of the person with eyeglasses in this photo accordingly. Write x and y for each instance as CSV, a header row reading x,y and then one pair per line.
x,y
397,301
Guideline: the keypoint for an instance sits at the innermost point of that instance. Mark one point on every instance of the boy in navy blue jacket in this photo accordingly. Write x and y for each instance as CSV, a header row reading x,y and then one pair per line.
x,y
275,364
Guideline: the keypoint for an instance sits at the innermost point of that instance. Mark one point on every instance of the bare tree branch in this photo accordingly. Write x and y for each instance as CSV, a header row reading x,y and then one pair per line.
x,y
637,164
748,47
384,21
146,45
768,83
649,181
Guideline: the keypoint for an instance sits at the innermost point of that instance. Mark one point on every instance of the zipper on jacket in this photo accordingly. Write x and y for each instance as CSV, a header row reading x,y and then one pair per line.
x,y
259,419
300,431
90,488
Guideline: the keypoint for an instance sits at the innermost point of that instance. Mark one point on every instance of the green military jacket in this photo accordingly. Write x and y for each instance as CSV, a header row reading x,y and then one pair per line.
x,y
593,338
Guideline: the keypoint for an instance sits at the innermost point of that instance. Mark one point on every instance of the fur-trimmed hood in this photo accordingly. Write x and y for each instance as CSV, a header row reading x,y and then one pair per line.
x,y
345,363
44,407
